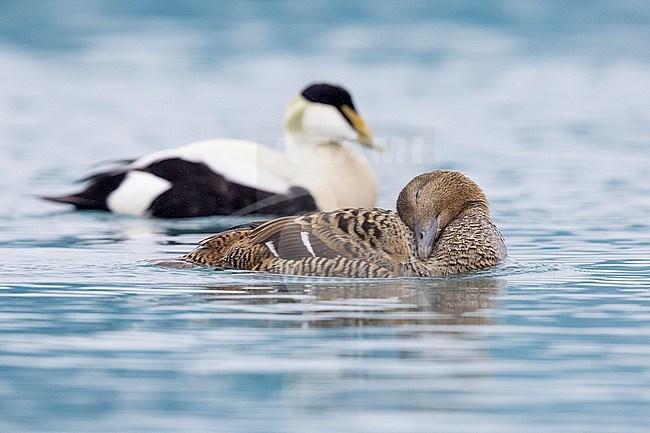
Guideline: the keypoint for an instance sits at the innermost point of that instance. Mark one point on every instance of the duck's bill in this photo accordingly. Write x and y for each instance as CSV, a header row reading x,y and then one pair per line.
x,y
365,135
425,238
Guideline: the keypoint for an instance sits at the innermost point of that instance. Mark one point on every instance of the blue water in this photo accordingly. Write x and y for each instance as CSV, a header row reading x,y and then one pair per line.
x,y
546,104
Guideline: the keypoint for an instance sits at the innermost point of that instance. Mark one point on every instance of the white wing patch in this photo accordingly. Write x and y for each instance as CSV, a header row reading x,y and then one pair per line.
x,y
271,248
136,193
305,240
244,162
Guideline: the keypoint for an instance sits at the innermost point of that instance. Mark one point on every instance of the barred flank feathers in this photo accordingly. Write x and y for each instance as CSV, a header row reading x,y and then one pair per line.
x,y
370,242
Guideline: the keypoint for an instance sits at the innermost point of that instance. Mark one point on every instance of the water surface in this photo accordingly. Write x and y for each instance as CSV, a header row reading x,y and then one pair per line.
x,y
545,104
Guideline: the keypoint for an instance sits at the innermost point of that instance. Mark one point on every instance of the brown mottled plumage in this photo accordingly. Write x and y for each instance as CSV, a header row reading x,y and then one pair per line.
x,y
442,227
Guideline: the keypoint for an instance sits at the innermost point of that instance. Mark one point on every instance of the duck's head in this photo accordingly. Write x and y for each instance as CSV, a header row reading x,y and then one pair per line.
x,y
325,112
429,202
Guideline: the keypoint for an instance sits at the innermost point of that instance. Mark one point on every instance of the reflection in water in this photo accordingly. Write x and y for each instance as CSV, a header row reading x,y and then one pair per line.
x,y
396,302
88,228
91,336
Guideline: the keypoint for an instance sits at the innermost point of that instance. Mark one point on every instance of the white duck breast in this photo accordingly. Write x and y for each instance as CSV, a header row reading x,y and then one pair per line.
x,y
222,177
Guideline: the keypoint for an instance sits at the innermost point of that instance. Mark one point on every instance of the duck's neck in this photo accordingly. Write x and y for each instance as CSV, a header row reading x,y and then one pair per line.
x,y
336,175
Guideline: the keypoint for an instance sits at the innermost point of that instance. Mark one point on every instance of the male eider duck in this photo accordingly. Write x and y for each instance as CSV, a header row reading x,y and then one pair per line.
x,y
223,177
442,227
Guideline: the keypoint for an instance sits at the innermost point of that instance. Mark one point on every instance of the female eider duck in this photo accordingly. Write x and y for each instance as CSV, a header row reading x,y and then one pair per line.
x,y
223,177
442,227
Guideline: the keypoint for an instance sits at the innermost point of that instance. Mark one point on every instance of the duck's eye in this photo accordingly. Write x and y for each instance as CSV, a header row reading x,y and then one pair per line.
x,y
417,194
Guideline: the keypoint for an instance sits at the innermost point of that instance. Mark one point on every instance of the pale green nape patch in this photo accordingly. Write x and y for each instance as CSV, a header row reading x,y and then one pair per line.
x,y
294,114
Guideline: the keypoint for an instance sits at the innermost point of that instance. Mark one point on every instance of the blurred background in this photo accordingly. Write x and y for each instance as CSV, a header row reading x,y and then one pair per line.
x,y
84,81
546,104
